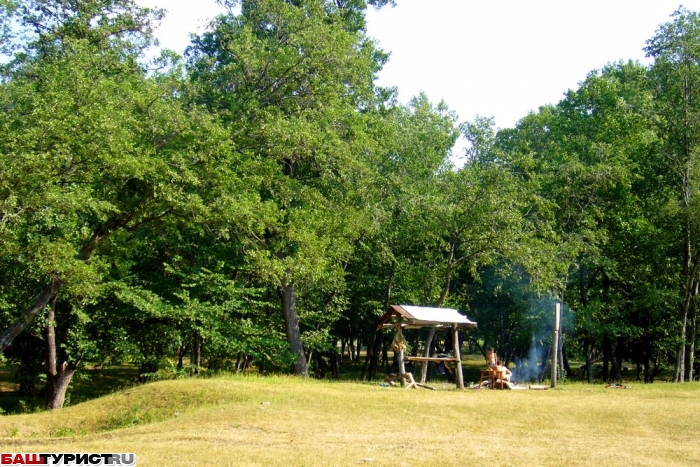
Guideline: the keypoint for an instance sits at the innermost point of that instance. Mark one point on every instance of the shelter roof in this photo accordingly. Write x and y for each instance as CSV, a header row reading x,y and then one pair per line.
x,y
419,316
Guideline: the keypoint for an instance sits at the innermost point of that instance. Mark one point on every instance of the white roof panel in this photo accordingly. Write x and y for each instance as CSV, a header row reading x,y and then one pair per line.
x,y
437,315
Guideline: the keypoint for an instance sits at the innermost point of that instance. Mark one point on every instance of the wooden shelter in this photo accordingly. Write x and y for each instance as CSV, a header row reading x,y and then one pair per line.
x,y
416,317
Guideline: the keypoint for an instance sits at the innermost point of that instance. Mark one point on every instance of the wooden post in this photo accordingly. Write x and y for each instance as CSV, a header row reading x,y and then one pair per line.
x,y
402,368
555,344
459,379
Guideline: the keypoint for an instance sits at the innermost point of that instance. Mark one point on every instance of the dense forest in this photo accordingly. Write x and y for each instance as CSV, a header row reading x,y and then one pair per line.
x,y
261,200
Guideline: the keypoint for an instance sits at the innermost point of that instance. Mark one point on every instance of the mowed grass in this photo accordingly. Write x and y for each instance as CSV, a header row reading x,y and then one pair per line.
x,y
222,421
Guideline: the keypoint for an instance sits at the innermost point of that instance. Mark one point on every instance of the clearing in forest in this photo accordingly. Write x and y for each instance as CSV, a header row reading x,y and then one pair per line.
x,y
293,422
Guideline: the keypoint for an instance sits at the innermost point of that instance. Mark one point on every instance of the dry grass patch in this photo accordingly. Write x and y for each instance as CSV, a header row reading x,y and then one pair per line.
x,y
221,422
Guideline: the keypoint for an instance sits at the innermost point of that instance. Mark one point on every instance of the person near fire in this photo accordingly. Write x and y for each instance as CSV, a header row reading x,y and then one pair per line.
x,y
503,372
491,359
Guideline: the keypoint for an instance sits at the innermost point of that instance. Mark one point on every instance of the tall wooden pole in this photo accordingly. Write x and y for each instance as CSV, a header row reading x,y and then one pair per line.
x,y
402,368
455,348
555,344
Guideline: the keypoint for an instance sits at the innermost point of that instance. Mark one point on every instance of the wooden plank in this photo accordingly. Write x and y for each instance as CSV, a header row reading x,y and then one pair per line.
x,y
411,382
404,326
402,368
421,325
414,384
425,387
432,359
555,345
455,346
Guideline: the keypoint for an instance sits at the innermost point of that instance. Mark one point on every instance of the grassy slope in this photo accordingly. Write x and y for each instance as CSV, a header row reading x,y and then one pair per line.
x,y
221,422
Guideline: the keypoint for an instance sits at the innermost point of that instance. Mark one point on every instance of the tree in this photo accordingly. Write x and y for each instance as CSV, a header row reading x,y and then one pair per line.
x,y
415,146
93,149
291,82
43,112
675,74
590,157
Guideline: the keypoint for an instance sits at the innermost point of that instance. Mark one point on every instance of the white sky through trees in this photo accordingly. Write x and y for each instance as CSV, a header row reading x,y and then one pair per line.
x,y
500,58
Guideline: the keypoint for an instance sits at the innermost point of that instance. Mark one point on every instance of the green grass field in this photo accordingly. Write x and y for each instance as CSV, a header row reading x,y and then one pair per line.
x,y
222,421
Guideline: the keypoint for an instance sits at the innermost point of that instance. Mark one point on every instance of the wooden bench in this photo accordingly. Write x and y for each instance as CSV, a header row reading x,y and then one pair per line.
x,y
492,377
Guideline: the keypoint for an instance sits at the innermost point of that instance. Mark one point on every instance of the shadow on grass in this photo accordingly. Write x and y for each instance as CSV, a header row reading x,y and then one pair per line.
x,y
87,385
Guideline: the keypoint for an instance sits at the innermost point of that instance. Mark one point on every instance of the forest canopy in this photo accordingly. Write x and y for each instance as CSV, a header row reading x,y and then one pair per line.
x,y
262,199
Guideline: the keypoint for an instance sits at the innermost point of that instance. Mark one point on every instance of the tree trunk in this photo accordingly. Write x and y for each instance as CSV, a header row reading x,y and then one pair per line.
x,y
238,361
57,378
690,353
639,371
621,352
448,273
385,355
181,356
426,353
372,356
433,366
647,367
334,359
30,314
589,359
368,355
376,350
606,357
291,324
198,354
61,382
615,373
565,360
351,349
588,343
50,336
689,285
679,371
609,344
320,372
196,357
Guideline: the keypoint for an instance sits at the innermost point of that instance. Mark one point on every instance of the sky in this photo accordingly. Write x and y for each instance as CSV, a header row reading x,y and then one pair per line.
x,y
494,58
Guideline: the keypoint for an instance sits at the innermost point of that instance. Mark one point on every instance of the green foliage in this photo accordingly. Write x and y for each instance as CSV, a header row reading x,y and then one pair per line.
x,y
176,208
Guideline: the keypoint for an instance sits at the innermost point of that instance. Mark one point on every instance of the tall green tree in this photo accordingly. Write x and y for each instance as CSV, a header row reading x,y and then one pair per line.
x,y
292,81
584,155
675,77
415,146
93,150
44,157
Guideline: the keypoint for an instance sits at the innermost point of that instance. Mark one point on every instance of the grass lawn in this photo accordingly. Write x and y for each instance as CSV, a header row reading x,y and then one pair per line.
x,y
221,421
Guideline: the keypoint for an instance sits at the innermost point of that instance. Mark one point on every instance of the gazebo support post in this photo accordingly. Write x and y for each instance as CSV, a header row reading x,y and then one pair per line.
x,y
402,368
459,379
